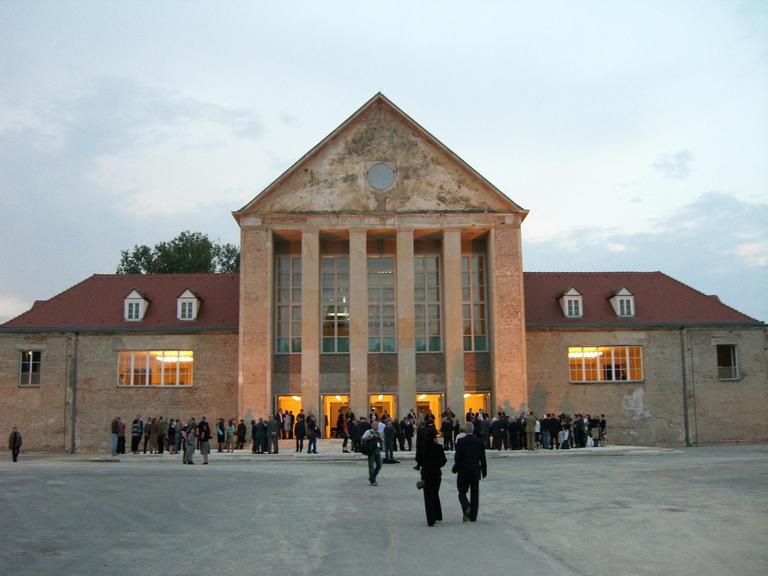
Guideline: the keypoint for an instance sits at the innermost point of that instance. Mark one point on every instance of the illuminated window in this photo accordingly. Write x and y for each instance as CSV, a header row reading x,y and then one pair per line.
x,y
473,295
605,363
288,305
382,335
29,373
426,297
334,303
155,368
727,365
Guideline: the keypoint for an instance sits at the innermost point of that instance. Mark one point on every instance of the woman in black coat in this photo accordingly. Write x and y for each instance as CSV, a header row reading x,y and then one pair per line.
x,y
432,459
300,431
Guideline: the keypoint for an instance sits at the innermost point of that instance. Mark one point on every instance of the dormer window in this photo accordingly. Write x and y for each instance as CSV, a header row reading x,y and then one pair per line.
x,y
134,307
187,306
623,302
572,303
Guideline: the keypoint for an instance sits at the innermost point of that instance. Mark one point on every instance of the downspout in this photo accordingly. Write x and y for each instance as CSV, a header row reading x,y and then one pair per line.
x,y
686,423
73,387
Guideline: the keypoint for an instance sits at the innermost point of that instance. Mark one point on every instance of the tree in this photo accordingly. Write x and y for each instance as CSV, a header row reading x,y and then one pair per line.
x,y
189,252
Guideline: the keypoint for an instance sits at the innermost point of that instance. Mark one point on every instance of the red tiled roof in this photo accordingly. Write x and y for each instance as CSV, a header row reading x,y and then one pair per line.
x,y
96,303
659,300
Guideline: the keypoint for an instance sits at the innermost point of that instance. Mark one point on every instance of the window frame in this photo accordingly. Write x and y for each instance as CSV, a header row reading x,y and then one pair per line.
x,y
134,368
468,289
735,368
336,289
624,303
380,303
428,303
293,306
31,374
599,369
573,304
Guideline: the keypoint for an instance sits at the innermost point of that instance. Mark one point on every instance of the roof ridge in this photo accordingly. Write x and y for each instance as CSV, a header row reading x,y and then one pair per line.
x,y
594,272
166,274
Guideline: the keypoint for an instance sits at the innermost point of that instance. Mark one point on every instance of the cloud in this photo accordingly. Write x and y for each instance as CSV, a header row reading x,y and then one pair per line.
x,y
676,165
11,306
717,244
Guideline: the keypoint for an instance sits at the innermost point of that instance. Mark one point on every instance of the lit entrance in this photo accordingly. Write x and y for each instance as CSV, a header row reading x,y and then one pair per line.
x,y
333,405
289,403
384,404
426,403
477,401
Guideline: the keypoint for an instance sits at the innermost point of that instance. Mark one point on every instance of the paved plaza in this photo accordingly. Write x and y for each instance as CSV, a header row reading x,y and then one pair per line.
x,y
606,511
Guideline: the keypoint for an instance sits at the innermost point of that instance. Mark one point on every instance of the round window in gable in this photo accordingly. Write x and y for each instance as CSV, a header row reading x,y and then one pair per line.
x,y
381,176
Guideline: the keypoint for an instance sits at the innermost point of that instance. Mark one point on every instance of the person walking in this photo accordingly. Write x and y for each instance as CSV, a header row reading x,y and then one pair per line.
x,y
432,460
14,443
371,447
469,465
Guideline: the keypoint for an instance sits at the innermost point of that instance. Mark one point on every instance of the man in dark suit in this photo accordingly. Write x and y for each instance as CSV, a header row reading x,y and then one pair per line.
x,y
469,465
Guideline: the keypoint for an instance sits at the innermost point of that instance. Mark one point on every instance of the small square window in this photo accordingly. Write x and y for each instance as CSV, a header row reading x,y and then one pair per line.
x,y
727,365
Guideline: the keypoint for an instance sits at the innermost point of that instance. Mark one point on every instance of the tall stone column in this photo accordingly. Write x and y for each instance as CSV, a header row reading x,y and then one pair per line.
x,y
509,365
255,341
453,323
310,322
358,311
406,339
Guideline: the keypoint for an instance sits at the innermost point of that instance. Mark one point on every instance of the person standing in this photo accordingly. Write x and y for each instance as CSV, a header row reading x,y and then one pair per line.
x,y
14,443
300,431
147,421
114,429
373,451
137,429
530,431
257,435
120,436
312,433
469,465
162,433
204,438
433,459
273,429
389,442
230,443
446,429
190,439
221,434
173,430
241,432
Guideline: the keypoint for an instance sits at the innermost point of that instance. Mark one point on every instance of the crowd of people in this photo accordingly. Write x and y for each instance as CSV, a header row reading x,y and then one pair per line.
x,y
156,435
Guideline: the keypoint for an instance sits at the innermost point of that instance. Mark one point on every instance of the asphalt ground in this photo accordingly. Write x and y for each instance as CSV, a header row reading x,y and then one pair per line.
x,y
604,511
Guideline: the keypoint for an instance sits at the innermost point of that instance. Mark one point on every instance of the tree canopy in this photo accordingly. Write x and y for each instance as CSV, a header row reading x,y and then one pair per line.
x,y
189,252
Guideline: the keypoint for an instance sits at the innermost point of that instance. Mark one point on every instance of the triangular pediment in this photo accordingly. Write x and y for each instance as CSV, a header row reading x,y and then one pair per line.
x,y
417,173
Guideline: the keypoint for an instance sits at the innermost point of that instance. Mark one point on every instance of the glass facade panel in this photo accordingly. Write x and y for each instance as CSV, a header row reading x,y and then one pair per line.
x,y
381,304
288,305
473,292
428,324
334,307
155,368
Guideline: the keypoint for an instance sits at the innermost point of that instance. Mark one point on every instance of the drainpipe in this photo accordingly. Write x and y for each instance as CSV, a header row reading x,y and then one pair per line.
x,y
686,424
73,387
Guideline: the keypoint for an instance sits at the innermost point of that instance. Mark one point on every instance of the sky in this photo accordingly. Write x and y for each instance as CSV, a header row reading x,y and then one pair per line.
x,y
636,133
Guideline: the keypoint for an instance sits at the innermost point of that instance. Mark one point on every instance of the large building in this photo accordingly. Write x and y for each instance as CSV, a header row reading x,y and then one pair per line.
x,y
381,271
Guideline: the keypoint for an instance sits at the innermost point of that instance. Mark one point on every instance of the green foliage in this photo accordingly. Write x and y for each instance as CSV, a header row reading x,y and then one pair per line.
x,y
189,252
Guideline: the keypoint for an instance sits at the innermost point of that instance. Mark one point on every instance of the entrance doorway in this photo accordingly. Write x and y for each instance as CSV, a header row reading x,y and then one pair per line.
x,y
384,404
288,403
477,401
333,405
429,403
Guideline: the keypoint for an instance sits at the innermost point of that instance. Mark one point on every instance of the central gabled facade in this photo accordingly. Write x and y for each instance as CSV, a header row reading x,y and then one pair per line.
x,y
381,269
